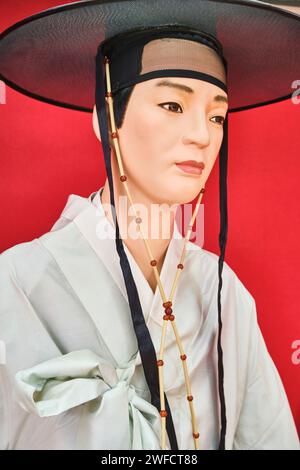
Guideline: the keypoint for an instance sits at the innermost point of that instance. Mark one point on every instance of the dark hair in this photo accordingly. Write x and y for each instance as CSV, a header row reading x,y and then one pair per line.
x,y
120,100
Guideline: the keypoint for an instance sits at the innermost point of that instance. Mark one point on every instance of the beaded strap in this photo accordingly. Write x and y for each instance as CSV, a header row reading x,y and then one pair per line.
x,y
167,302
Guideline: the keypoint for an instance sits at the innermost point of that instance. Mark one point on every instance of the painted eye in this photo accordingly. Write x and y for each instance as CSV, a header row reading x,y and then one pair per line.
x,y
171,103
222,119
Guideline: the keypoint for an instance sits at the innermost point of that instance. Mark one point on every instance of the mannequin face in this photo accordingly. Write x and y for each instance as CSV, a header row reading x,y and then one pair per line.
x,y
164,125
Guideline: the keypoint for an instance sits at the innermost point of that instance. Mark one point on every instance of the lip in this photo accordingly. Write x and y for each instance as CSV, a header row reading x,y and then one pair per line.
x,y
191,166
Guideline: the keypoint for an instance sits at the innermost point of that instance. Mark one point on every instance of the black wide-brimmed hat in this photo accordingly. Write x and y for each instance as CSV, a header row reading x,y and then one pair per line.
x,y
50,55
53,56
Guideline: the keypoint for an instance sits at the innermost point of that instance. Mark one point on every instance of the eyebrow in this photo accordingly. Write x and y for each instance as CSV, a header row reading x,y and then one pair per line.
x,y
187,89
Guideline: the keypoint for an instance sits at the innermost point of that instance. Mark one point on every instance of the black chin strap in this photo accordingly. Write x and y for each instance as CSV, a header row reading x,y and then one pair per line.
x,y
222,243
145,344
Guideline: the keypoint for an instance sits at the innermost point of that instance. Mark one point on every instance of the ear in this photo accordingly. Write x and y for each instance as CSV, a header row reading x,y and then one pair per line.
x,y
96,124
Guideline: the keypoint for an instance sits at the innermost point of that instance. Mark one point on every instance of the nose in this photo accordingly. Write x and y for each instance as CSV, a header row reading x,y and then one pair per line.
x,y
197,131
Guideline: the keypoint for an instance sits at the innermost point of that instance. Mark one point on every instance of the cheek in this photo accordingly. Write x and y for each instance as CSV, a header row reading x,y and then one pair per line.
x,y
216,140
143,143
151,132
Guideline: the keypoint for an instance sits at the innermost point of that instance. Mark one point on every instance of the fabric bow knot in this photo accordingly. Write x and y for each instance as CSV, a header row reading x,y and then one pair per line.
x,y
118,418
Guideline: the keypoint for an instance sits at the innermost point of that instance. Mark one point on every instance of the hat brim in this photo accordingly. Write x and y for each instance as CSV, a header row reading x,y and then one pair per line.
x,y
50,56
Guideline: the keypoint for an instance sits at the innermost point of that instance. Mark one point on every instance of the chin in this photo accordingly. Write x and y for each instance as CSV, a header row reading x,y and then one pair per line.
x,y
189,187
178,194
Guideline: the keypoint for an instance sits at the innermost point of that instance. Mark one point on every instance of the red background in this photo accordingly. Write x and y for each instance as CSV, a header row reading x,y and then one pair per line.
x,y
49,152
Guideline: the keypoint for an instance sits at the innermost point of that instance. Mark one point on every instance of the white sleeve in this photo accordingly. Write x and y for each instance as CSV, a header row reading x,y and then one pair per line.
x,y
16,347
11,304
4,421
265,421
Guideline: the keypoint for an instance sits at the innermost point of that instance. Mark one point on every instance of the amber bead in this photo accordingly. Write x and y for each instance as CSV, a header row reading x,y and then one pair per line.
x,y
160,362
196,435
166,317
180,266
167,304
202,190
153,262
106,60
114,135
123,178
171,317
108,94
138,220
163,413
190,397
183,357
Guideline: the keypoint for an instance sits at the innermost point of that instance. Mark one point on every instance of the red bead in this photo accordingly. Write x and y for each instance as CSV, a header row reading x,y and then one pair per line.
x,y
180,266
123,178
202,190
106,60
167,304
138,220
171,317
114,135
108,94
160,362
153,262
168,311
190,397
163,413
166,317
183,357
196,435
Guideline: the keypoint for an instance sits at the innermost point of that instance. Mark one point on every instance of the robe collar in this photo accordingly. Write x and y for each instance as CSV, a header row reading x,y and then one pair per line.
x,y
89,217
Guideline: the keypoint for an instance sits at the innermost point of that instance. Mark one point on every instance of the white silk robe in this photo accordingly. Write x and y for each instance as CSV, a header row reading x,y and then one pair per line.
x,y
71,374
